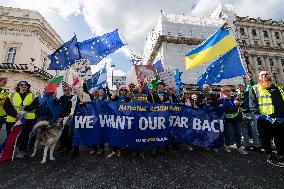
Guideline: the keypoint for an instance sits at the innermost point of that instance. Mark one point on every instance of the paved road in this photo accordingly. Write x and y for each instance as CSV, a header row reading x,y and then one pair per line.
x,y
176,169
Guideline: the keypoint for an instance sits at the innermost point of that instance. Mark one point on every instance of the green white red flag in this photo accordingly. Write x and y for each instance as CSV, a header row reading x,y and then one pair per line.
x,y
53,84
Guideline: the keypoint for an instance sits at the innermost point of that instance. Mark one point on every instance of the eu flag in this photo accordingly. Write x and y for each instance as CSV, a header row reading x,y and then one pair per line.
x,y
64,56
97,48
227,66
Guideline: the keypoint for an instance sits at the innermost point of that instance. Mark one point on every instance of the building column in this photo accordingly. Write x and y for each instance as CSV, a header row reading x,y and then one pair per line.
x,y
270,38
255,64
267,64
281,70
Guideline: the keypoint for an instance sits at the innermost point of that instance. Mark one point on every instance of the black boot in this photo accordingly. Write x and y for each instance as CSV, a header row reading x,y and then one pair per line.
x,y
75,153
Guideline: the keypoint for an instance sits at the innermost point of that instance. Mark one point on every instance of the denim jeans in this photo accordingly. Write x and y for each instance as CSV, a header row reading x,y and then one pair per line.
x,y
250,122
2,121
232,130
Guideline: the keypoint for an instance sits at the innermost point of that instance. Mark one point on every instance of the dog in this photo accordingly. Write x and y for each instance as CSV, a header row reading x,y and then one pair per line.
x,y
48,135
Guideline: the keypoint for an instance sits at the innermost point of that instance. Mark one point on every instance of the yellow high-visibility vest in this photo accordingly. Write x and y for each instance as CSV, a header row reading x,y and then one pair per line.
x,y
17,103
264,99
4,93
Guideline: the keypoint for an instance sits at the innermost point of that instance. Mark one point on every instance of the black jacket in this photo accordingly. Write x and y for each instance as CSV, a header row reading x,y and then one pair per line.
x,y
153,98
65,105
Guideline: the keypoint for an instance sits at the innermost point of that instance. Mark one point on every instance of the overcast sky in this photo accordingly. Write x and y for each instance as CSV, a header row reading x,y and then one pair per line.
x,y
133,18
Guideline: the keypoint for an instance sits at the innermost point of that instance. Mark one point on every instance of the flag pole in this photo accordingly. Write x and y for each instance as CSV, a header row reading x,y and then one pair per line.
x,y
15,145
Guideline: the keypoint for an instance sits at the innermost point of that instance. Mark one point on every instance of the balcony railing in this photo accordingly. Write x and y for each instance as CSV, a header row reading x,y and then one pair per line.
x,y
26,68
30,68
11,66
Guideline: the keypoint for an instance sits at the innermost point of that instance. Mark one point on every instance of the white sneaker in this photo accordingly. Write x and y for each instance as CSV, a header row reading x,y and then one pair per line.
x,y
234,147
242,151
227,149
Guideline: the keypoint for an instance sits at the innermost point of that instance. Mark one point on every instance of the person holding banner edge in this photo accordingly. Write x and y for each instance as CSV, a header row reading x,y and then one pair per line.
x,y
266,99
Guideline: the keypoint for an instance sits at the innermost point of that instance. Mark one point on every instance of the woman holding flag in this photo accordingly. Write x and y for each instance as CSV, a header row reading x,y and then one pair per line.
x,y
13,105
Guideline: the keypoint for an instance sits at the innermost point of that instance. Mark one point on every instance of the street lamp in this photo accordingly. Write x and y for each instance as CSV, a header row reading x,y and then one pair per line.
x,y
112,68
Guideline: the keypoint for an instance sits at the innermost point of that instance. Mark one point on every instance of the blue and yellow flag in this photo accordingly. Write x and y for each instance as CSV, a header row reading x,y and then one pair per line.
x,y
218,44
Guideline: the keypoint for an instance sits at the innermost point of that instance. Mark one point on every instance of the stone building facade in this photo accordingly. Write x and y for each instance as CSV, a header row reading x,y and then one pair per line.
x,y
262,44
26,39
175,35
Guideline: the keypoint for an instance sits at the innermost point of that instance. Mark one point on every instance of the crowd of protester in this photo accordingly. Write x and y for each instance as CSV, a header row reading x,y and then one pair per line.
x,y
242,131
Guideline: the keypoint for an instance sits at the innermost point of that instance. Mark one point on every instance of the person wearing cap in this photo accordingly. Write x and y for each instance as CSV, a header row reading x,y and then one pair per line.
x,y
13,105
267,99
163,96
4,93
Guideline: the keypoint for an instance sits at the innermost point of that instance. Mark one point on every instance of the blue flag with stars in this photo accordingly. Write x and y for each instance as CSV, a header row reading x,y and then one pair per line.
x,y
98,79
158,66
64,56
97,48
227,66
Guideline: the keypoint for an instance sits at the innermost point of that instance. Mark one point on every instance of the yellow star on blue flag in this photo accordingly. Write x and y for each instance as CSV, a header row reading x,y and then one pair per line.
x,y
227,66
97,48
64,56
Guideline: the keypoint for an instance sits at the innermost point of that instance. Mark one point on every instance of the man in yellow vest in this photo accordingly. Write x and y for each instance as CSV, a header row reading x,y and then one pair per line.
x,y
13,105
4,93
267,99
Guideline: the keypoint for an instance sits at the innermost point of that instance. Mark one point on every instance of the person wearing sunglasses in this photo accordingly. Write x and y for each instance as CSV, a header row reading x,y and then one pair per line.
x,y
267,98
65,103
13,105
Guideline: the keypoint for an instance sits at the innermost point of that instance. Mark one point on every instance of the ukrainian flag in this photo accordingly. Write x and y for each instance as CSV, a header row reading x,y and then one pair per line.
x,y
218,44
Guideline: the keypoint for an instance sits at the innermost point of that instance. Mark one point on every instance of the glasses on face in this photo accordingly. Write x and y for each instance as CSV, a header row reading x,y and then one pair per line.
x,y
66,89
264,74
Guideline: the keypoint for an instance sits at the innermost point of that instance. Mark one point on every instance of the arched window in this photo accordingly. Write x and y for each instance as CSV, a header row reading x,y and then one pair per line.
x,y
11,54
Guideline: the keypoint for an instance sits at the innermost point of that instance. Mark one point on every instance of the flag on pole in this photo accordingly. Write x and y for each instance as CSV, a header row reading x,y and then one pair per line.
x,y
226,67
11,141
53,84
159,66
218,44
178,82
97,48
64,56
98,79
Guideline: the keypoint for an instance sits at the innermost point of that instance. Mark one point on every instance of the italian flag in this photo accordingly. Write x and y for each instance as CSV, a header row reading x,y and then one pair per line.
x,y
53,84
